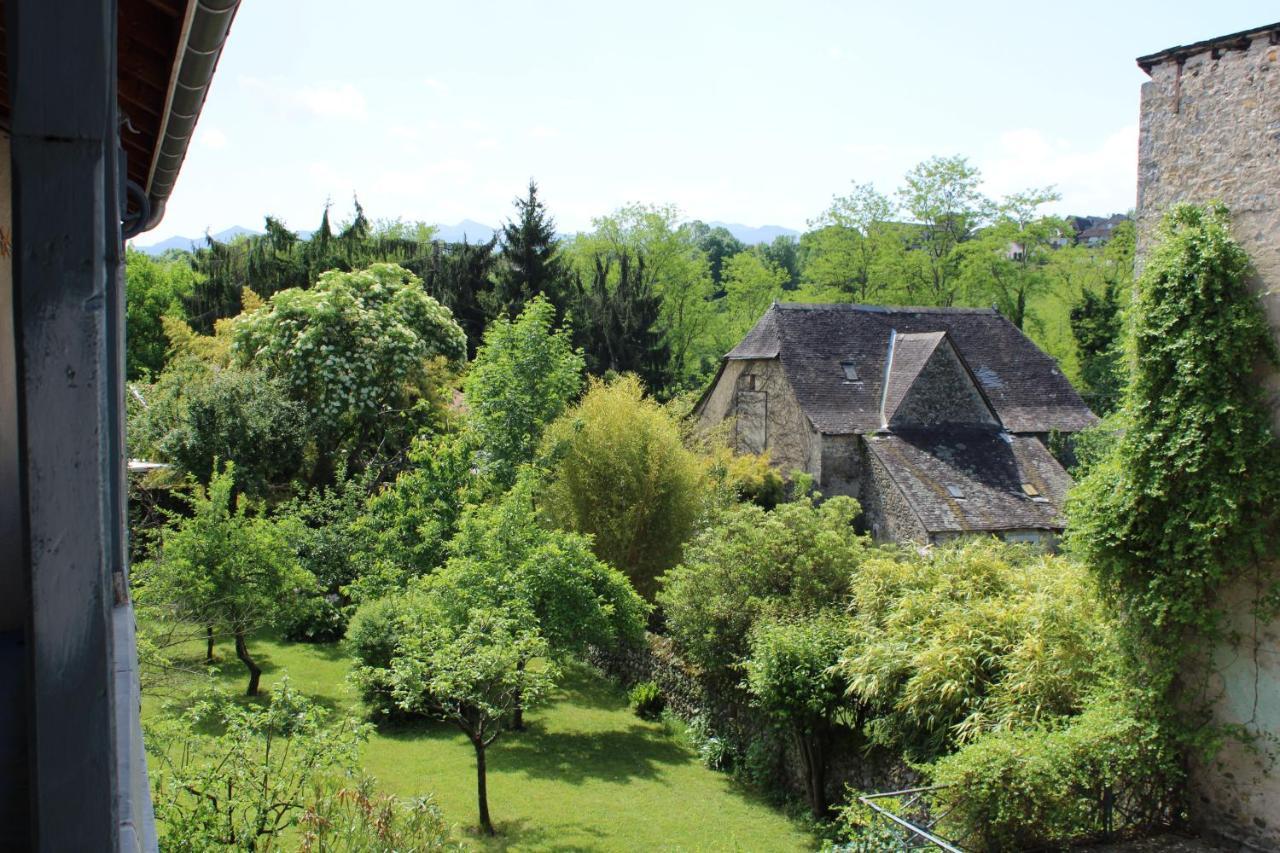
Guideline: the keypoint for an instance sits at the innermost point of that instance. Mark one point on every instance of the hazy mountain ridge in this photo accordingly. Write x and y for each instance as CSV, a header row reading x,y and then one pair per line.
x,y
468,229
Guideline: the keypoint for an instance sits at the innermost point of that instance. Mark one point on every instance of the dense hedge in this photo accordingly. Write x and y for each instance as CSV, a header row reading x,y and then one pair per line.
x,y
1026,789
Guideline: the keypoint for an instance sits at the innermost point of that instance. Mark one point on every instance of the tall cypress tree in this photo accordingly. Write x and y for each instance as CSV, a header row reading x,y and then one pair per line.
x,y
531,258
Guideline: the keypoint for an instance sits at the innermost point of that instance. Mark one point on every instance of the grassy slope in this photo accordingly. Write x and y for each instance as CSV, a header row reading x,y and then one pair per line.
x,y
587,775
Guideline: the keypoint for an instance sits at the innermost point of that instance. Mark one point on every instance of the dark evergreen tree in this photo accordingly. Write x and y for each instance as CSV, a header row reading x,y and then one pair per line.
x,y
460,276
616,321
531,261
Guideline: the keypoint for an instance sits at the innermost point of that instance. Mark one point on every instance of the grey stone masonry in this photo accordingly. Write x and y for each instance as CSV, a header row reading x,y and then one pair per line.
x,y
1210,130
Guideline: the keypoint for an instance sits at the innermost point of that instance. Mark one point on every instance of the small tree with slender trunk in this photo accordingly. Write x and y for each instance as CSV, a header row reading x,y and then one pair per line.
x,y
793,679
472,673
224,569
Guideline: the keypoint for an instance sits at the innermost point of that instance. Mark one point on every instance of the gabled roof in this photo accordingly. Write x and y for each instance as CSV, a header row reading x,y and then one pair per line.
x,y
958,480
908,354
1023,385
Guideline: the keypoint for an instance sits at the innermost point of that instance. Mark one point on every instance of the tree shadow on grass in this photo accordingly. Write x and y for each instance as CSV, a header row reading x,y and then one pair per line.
x,y
637,752
586,687
329,651
525,833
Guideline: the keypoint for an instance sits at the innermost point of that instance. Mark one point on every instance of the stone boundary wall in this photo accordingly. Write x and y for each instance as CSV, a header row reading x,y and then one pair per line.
x,y
689,695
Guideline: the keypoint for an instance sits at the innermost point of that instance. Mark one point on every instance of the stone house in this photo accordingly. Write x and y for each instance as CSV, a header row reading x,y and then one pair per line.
x,y
1210,130
936,419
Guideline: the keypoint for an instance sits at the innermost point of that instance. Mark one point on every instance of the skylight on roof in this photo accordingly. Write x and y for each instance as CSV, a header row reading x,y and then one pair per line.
x,y
850,371
1030,490
955,492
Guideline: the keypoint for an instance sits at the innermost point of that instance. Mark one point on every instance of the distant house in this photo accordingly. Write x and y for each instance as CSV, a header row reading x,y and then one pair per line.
x,y
1095,230
936,420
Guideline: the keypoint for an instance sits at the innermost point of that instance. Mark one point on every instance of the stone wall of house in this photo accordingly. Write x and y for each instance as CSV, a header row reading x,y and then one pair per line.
x,y
720,401
1210,129
766,414
889,517
943,393
842,466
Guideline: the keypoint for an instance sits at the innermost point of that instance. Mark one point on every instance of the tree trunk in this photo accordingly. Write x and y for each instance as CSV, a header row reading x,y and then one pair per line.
x,y
814,759
482,793
517,716
255,674
208,655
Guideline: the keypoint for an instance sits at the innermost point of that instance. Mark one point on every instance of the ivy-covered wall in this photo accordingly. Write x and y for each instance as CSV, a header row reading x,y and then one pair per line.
x,y
1210,130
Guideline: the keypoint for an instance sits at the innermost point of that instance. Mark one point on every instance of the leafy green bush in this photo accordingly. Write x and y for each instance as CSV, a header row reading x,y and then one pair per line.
x,y
647,701
713,750
861,830
327,547
763,762
622,474
971,638
794,560
316,618
373,637
1029,788
793,679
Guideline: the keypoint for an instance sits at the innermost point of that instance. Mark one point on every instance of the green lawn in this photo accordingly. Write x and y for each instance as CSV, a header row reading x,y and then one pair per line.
x,y
586,775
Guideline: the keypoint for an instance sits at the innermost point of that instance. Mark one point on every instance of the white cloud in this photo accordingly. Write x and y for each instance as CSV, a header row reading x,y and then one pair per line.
x,y
437,86
327,100
541,131
1093,179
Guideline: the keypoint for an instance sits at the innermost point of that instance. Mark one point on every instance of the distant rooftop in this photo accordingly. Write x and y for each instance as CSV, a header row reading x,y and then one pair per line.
x,y
818,346
1234,41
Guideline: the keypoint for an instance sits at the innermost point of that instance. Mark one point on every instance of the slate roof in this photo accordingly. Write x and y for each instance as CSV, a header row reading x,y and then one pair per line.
x,y
1023,384
985,467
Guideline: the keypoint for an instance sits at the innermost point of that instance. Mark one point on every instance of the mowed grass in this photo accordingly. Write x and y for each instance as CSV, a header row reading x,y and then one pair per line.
x,y
587,774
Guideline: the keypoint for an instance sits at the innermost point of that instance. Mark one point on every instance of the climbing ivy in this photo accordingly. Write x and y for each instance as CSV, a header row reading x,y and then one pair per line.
x,y
1186,499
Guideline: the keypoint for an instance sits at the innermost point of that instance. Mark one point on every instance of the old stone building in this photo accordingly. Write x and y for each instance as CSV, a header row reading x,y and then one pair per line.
x,y
1210,130
936,420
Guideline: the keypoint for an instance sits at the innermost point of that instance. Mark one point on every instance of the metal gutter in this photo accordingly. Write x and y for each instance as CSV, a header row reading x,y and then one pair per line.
x,y
204,33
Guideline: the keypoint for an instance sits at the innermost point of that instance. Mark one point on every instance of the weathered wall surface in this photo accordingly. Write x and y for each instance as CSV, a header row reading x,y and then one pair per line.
x,y
842,466
773,422
943,393
1210,129
888,515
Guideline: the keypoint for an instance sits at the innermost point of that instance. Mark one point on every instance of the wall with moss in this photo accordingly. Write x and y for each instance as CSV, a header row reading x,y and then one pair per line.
x,y
1210,130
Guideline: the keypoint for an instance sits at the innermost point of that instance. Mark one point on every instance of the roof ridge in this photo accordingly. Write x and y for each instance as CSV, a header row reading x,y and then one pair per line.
x,y
880,309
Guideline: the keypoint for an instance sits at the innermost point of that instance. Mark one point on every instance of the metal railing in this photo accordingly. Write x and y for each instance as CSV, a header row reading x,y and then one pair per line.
x,y
911,814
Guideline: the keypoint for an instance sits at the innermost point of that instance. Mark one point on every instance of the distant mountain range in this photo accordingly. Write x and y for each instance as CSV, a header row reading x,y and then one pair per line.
x,y
186,243
468,229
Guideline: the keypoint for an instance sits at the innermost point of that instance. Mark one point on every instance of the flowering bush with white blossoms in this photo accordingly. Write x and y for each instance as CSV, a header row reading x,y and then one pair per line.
x,y
355,348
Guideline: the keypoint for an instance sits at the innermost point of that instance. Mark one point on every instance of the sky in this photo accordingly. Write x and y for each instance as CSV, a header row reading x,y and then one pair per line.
x,y
747,112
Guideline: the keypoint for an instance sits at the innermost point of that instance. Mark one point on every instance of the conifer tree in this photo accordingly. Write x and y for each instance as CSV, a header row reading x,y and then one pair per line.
x,y
531,258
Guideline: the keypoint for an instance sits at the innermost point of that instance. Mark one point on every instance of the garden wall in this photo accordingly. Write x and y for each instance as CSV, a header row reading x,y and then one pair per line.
x,y
731,717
